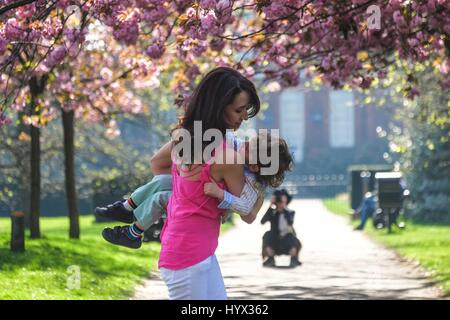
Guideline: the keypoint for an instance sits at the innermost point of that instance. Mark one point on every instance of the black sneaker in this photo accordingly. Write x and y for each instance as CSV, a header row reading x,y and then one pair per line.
x,y
294,263
270,262
115,211
118,235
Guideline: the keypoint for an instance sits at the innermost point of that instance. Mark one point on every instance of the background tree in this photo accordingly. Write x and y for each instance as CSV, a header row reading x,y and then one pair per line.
x,y
422,141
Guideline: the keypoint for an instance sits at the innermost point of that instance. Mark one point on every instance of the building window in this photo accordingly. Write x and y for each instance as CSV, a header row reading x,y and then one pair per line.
x,y
342,119
292,121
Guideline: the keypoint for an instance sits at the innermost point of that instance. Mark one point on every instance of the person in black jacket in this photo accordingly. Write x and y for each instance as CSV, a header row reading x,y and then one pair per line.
x,y
281,239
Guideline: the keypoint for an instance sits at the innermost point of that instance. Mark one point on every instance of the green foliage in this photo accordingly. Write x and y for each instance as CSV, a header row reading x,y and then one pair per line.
x,y
421,139
426,160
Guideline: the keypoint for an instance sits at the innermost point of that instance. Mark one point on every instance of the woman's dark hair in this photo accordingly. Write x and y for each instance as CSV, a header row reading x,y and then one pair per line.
x,y
213,94
285,161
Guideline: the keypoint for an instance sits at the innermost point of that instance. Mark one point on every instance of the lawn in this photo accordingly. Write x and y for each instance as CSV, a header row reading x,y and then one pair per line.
x,y
46,270
428,244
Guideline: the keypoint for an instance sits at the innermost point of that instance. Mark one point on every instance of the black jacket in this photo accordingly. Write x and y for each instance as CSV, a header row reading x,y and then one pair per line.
x,y
272,216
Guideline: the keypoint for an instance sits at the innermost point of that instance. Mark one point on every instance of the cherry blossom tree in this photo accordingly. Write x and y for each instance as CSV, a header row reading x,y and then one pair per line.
x,y
350,41
44,44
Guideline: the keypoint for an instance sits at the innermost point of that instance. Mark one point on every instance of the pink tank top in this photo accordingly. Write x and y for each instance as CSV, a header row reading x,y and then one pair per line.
x,y
191,231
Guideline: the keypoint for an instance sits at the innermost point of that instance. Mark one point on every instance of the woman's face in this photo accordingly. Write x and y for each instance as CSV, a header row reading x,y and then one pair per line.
x,y
236,112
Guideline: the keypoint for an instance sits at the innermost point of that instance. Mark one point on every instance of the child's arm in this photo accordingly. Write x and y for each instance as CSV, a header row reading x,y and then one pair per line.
x,y
242,204
252,216
267,215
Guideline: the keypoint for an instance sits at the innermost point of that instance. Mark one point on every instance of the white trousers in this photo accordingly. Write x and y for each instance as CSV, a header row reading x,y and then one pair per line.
x,y
202,281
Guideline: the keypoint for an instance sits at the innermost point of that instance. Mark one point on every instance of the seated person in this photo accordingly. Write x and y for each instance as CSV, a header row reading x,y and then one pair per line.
x,y
366,209
281,239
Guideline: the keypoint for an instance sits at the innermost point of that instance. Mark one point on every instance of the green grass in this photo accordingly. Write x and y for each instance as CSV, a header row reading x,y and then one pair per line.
x,y
41,272
428,244
339,205
224,227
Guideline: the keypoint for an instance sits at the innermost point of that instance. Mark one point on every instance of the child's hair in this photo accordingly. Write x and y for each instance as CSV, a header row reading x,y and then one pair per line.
x,y
285,160
210,98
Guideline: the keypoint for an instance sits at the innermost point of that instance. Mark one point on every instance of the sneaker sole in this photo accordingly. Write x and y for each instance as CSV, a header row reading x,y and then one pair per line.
x,y
105,236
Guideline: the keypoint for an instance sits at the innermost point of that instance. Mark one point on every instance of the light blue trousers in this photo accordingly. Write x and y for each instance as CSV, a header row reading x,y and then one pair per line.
x,y
151,200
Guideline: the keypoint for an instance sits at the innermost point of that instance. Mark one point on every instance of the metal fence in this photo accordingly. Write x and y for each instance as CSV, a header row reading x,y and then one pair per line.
x,y
316,186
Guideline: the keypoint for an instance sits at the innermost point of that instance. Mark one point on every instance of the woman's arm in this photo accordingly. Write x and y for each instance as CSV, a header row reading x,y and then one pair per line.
x,y
161,161
231,173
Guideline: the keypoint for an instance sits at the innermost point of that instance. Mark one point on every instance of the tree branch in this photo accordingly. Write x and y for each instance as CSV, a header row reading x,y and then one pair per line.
x,y
15,5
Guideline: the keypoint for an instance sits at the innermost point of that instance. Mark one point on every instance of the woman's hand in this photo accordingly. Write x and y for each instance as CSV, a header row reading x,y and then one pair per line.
x,y
213,190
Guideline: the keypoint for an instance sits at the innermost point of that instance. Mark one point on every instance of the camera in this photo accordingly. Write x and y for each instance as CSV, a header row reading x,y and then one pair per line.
x,y
278,196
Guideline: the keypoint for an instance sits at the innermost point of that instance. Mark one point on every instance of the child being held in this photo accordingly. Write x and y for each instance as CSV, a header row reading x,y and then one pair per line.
x,y
148,202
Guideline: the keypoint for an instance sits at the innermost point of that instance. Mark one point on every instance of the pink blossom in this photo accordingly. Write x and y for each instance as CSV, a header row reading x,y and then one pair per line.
x,y
207,4
217,44
381,74
399,19
366,82
223,5
290,78
191,13
198,50
4,119
155,50
445,84
412,93
155,15
326,63
51,28
196,33
209,21
127,32
413,42
444,67
416,21
25,11
56,56
13,30
275,11
3,44
431,5
192,72
63,4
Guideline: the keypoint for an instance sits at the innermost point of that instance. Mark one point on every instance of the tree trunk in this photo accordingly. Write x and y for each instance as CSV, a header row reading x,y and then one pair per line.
x,y
35,157
24,167
37,86
17,231
69,168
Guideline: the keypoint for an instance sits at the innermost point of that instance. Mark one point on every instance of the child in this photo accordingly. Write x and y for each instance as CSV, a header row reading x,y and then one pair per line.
x,y
247,204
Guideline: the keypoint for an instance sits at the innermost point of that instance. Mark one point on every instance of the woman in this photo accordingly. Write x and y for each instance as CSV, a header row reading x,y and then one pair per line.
x,y
188,265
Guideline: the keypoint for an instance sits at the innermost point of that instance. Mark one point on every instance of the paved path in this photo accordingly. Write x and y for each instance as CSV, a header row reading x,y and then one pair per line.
x,y
338,263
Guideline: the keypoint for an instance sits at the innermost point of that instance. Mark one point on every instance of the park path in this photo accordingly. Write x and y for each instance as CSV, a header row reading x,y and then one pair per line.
x,y
338,263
